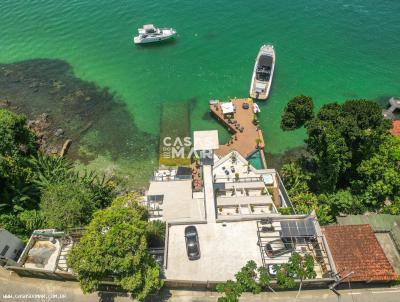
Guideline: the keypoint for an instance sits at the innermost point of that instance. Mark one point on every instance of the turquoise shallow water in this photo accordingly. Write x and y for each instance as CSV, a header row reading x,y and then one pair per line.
x,y
332,50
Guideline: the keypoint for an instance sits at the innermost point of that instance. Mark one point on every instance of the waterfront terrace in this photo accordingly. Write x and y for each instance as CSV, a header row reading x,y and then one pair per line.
x,y
237,115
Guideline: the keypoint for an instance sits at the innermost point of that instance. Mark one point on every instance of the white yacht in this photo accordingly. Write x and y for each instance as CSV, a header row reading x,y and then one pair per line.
x,y
149,33
263,73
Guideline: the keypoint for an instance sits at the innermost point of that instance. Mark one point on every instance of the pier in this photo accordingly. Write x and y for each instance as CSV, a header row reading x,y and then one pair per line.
x,y
238,117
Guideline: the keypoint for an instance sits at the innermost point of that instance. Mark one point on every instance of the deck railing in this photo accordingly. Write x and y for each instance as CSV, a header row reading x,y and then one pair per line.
x,y
240,179
171,178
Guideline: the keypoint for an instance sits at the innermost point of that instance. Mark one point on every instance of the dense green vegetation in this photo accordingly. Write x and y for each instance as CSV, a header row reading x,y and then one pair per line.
x,y
351,165
255,279
41,191
297,112
116,241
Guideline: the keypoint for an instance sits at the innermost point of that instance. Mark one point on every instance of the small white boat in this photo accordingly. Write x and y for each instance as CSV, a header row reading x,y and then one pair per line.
x,y
149,34
256,109
263,73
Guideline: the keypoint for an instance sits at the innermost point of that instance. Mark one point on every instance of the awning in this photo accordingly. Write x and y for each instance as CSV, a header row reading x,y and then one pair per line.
x,y
227,108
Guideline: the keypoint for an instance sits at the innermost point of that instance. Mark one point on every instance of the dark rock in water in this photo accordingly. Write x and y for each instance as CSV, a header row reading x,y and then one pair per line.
x,y
4,103
59,106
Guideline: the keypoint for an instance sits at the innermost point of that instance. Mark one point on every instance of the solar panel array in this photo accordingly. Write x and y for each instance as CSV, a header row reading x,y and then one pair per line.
x,y
298,228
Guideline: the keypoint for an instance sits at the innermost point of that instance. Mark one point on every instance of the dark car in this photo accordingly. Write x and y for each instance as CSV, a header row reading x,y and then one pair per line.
x,y
192,243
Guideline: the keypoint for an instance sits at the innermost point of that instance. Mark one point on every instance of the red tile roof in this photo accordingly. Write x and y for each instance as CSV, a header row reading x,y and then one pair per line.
x,y
355,249
396,128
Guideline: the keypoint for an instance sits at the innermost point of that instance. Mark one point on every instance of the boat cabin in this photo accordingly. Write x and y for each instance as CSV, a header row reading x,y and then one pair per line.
x,y
149,28
263,72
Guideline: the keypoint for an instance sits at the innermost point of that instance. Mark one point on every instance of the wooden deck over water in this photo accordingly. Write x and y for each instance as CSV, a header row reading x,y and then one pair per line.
x,y
245,142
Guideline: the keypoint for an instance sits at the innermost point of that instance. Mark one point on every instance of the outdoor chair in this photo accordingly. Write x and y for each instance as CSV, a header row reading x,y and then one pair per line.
x,y
265,221
266,229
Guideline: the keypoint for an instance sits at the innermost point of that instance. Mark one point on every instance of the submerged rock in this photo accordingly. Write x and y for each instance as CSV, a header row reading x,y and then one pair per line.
x,y
59,132
60,106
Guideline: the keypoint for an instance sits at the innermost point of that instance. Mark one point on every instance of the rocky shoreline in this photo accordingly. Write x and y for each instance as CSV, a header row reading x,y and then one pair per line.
x,y
69,114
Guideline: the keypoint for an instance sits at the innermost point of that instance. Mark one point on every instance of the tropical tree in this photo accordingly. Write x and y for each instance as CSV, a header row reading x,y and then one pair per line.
x,y
340,137
114,248
249,279
231,290
31,220
296,182
297,112
156,237
50,169
297,268
342,202
17,143
67,204
103,188
295,178
378,179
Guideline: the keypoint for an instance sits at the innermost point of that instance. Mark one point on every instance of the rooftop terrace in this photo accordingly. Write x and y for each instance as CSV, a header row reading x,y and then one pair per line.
x,y
226,247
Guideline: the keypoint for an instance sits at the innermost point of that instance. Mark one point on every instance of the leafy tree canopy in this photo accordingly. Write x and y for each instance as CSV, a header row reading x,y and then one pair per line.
x,y
298,267
17,143
352,163
378,178
114,247
17,140
249,279
340,137
66,204
297,112
28,177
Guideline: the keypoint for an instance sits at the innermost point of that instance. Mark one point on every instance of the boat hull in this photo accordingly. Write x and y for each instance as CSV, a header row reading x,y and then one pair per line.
x,y
259,89
166,35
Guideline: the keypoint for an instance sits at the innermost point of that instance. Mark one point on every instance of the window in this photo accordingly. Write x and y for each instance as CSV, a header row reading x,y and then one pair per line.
x,y
4,251
155,198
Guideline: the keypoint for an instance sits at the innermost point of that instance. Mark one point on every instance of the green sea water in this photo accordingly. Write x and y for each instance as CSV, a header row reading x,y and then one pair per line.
x,y
332,50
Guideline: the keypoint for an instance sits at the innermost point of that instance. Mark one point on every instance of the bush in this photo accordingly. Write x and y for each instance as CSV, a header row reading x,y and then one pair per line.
x,y
67,204
156,236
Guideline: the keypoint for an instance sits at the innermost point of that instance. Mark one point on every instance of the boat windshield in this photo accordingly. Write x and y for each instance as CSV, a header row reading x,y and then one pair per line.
x,y
263,74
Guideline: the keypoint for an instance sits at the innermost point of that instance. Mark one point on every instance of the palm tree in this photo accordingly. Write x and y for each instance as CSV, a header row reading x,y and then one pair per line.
x,y
50,169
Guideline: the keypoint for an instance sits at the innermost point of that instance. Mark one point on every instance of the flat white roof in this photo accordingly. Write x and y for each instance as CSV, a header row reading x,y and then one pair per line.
x,y
205,140
224,250
178,203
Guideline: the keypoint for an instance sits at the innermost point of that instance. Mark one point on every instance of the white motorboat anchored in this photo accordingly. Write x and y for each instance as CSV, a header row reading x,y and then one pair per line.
x,y
149,34
263,73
